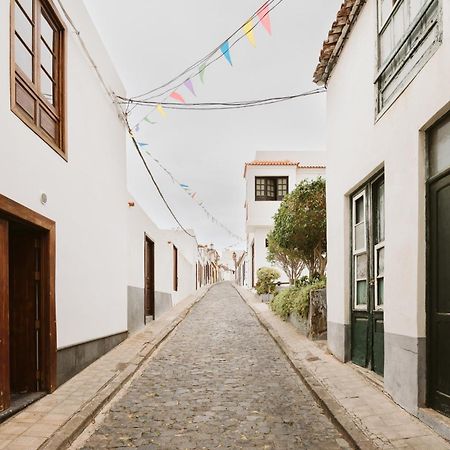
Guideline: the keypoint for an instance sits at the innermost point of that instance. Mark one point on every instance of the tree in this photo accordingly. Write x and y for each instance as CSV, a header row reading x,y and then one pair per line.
x,y
301,225
288,259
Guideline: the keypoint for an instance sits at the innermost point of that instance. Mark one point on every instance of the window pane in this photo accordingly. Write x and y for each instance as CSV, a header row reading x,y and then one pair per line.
x,y
47,59
379,212
282,187
23,27
380,291
361,293
27,6
270,185
24,59
359,210
47,32
47,87
439,145
360,238
361,267
380,262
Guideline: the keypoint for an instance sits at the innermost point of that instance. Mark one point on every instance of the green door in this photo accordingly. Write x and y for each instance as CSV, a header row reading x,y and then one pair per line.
x,y
368,276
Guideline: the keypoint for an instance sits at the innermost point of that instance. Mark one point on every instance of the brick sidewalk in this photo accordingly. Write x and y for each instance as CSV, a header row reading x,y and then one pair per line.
x,y
55,420
351,397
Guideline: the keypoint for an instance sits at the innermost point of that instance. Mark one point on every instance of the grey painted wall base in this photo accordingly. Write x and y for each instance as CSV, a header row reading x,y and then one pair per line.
x,y
135,318
299,322
72,360
339,340
163,302
405,370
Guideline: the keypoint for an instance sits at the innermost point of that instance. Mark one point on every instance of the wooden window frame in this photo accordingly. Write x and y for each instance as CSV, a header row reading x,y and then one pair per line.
x,y
56,112
265,197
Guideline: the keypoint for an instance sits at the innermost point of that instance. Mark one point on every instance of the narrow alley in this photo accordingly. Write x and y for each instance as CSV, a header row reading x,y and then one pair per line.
x,y
219,381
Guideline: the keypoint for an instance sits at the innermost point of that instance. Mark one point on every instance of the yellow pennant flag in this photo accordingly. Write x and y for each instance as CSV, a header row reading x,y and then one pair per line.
x,y
161,110
248,30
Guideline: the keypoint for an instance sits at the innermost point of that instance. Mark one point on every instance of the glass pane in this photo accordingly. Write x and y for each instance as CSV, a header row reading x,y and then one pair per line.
x,y
47,59
47,32
23,27
361,267
270,188
359,210
24,59
380,262
361,293
379,212
27,5
380,291
385,9
360,238
439,143
47,87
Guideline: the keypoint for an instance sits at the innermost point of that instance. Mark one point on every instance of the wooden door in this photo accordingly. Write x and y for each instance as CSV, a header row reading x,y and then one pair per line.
x,y
24,306
368,276
4,317
149,270
439,294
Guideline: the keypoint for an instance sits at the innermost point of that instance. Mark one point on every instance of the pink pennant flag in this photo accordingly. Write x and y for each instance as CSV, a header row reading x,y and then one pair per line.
x,y
188,83
176,96
263,15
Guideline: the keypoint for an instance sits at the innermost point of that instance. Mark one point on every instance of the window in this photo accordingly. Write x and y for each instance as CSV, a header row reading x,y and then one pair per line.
x,y
360,251
37,69
271,188
409,31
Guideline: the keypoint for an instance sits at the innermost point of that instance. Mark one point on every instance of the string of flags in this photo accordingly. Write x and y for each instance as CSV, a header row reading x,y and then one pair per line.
x,y
262,16
191,193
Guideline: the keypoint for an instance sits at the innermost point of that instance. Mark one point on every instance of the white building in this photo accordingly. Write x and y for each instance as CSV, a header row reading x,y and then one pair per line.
x,y
386,65
268,179
70,244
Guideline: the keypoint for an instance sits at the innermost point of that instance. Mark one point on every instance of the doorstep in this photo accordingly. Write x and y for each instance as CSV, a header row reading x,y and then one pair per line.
x,y
358,405
56,420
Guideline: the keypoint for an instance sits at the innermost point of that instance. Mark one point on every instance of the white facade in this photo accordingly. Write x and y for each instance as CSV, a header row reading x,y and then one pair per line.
x,y
360,145
99,237
296,166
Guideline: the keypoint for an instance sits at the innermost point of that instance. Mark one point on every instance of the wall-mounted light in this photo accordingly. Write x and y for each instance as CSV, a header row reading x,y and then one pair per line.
x,y
44,198
131,204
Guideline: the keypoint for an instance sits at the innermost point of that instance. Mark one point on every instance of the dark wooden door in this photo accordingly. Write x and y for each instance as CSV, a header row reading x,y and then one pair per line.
x,y
149,270
24,299
368,276
4,317
439,294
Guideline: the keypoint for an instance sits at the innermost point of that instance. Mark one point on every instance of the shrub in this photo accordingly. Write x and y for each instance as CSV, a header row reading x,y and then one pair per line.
x,y
266,280
295,299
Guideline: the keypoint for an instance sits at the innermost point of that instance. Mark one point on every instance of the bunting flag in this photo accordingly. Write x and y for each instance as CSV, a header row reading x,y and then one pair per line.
x,y
137,128
248,30
176,96
161,110
184,186
149,121
142,144
189,85
201,72
263,16
225,49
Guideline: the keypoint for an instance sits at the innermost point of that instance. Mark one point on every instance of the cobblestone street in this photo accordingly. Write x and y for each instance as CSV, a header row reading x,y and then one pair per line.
x,y
218,382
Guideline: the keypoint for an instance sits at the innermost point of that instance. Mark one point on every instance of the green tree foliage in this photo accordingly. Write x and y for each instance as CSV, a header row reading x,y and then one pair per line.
x,y
290,260
266,280
301,224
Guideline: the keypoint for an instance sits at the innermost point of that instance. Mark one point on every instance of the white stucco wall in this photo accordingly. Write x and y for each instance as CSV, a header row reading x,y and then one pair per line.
x,y
358,147
86,195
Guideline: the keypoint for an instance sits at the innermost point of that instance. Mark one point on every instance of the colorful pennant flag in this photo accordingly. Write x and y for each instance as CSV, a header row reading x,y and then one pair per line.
x,y
225,49
161,110
201,72
142,144
137,128
248,30
189,85
176,96
263,16
149,121
184,186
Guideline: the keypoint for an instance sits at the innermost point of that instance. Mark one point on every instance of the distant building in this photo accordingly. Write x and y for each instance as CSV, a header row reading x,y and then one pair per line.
x,y
268,179
208,267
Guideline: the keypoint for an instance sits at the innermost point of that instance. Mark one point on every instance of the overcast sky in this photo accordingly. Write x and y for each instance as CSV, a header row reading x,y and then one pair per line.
x,y
151,41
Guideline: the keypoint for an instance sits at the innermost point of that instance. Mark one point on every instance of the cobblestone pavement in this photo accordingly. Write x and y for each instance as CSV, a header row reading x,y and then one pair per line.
x,y
218,382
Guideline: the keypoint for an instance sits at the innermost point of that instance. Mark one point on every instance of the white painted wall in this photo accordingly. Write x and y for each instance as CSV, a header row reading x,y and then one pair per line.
x,y
86,196
358,147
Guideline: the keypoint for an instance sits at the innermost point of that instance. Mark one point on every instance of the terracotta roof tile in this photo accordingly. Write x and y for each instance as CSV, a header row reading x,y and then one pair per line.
x,y
281,163
333,45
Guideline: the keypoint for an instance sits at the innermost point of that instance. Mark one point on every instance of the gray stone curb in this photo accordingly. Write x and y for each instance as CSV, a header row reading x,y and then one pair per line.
x,y
336,412
70,430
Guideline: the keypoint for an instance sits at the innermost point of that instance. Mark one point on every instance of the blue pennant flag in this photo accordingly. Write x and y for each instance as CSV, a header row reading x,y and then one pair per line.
x,y
142,144
225,49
